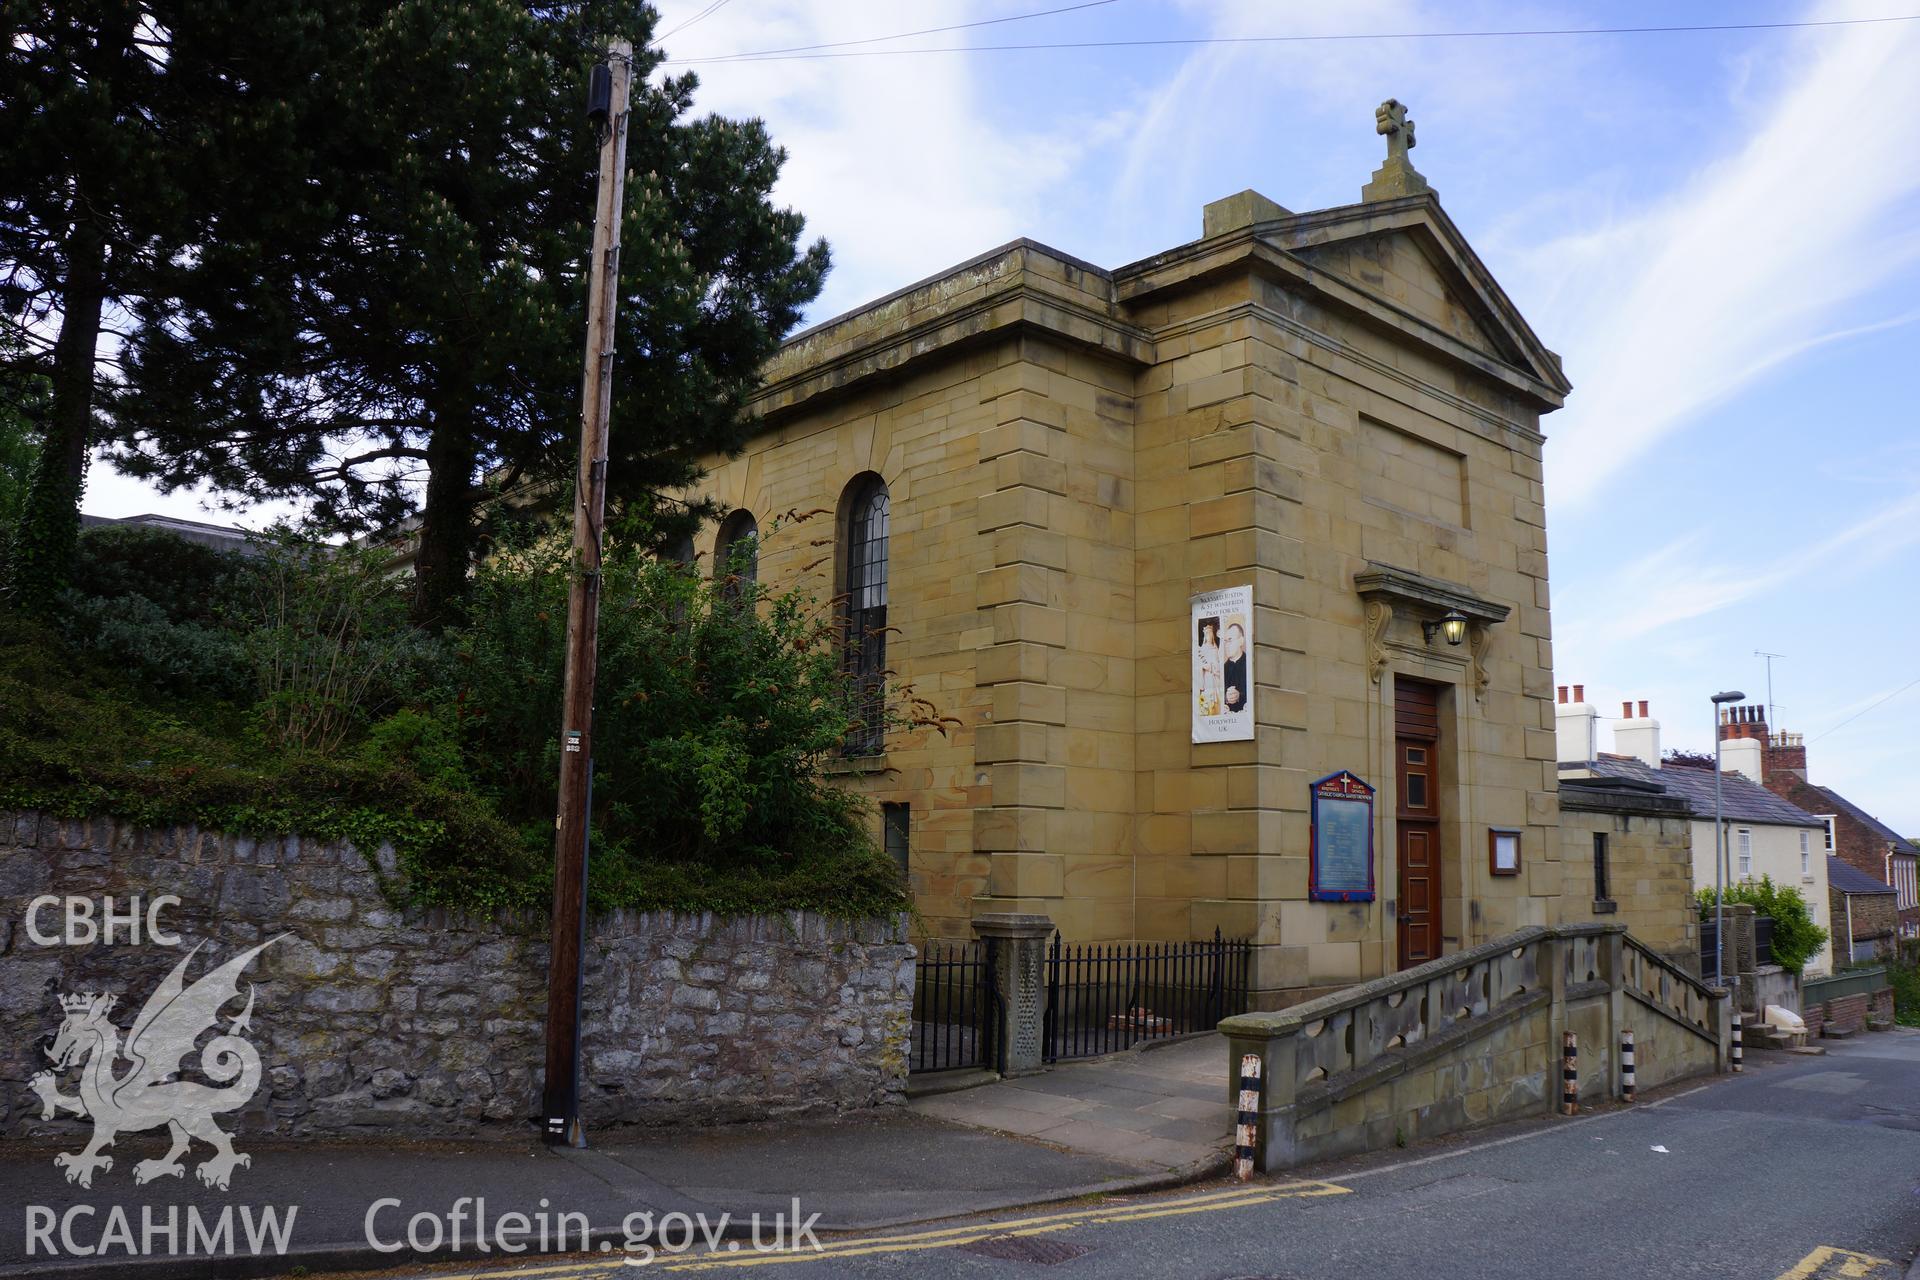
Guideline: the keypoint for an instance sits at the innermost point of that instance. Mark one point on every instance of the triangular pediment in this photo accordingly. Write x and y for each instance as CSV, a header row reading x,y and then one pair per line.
x,y
1396,268
1407,256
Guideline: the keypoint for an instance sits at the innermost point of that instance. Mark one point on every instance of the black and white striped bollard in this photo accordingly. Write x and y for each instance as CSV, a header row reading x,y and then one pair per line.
x,y
1736,1042
1570,1076
1246,1130
1626,1064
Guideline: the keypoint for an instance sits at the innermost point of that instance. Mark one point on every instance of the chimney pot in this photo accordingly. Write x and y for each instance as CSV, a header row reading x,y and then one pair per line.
x,y
1626,711
1579,693
1563,694
1643,708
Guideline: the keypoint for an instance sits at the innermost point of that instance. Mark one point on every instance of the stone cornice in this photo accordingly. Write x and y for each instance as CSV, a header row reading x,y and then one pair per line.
x,y
1387,582
1526,367
1023,286
1378,368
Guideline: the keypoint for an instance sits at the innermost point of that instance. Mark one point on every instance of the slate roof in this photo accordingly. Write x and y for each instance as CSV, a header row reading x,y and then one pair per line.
x,y
1851,880
1741,799
1843,805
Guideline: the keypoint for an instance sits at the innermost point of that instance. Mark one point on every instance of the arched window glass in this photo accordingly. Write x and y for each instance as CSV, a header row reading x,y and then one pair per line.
x,y
736,552
866,621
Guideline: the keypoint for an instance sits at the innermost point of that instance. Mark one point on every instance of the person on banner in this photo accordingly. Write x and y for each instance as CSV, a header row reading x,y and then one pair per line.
x,y
1234,668
1207,681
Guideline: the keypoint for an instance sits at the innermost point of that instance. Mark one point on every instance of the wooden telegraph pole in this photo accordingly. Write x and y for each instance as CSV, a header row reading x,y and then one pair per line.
x,y
607,107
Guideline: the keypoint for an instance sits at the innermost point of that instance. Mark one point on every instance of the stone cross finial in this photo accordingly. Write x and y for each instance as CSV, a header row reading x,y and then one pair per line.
x,y
1390,118
1397,177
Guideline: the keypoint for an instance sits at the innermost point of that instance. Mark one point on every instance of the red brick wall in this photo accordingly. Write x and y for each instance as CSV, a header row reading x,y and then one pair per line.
x,y
1856,844
1849,1011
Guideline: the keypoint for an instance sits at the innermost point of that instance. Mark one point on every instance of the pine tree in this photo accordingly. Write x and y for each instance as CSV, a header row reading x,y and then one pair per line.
x,y
123,125
419,341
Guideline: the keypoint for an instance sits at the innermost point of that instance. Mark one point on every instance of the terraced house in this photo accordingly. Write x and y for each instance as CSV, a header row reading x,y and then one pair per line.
x,y
1174,541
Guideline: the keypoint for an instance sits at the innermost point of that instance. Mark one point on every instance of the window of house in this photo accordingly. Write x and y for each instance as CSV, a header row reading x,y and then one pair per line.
x,y
1602,887
1828,819
736,553
865,637
897,823
1806,854
1744,842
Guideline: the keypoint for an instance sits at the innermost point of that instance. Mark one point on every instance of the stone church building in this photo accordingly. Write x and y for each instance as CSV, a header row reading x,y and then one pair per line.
x,y
1035,465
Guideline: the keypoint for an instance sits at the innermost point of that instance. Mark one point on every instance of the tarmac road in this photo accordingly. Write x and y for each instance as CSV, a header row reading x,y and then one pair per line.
x,y
1802,1168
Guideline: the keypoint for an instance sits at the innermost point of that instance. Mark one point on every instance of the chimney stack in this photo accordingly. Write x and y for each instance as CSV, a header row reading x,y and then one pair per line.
x,y
1744,756
1786,753
1747,721
1637,736
1574,735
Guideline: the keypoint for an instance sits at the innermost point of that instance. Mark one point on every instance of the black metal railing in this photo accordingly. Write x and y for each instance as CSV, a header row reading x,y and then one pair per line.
x,y
956,1012
1102,998
1710,943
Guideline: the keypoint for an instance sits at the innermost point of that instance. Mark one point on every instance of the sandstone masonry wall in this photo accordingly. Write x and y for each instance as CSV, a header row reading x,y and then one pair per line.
x,y
410,1023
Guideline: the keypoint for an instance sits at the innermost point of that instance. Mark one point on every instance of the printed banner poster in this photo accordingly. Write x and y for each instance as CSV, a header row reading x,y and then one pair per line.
x,y
1222,639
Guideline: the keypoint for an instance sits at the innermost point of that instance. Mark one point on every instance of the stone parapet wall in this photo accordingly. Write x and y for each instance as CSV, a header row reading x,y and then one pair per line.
x,y
1472,1039
369,1018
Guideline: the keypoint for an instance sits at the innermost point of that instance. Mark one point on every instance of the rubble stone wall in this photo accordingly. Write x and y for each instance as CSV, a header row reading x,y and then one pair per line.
x,y
370,1018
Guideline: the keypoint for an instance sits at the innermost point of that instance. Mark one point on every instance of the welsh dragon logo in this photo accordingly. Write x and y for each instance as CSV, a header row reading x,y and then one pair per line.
x,y
148,1094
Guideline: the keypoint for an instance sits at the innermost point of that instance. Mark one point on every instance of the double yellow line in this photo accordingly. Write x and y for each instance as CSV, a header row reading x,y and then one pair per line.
x,y
743,1255
1041,1224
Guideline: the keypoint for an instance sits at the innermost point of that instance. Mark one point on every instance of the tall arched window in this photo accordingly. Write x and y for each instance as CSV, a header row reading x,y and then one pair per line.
x,y
736,553
865,579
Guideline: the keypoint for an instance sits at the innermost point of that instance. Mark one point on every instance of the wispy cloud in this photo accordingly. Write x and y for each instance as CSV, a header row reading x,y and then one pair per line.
x,y
1684,579
904,164
1744,269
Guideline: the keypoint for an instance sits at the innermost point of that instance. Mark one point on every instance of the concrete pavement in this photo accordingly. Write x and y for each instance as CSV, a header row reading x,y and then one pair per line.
x,y
1163,1107
1123,1124
1803,1168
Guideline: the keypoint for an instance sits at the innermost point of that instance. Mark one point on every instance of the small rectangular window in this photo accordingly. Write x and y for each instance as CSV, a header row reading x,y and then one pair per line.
x,y
1746,853
1828,819
897,819
1806,855
1416,791
1602,890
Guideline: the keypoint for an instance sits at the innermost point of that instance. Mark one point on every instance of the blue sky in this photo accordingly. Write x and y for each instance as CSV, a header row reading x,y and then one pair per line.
x,y
1718,231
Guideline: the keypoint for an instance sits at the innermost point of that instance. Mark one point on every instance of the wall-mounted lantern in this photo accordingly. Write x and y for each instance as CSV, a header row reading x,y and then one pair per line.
x,y
1452,628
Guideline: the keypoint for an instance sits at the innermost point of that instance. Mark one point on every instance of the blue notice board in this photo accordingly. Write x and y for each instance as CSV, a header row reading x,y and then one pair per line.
x,y
1341,868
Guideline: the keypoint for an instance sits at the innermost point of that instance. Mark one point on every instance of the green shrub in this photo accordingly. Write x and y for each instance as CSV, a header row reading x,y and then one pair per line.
x,y
79,738
720,704
327,638
187,581
136,635
1903,970
1796,938
162,608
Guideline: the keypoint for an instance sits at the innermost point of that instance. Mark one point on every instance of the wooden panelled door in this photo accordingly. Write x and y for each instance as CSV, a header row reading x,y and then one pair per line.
x,y
1416,723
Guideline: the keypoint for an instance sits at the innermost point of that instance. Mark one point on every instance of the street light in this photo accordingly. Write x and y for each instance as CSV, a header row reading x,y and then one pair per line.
x,y
1719,842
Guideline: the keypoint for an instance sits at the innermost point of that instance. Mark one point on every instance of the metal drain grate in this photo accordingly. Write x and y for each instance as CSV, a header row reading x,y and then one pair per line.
x,y
1035,1249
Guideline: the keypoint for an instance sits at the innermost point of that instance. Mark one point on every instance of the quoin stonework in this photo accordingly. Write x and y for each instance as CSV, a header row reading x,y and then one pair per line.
x,y
1035,464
